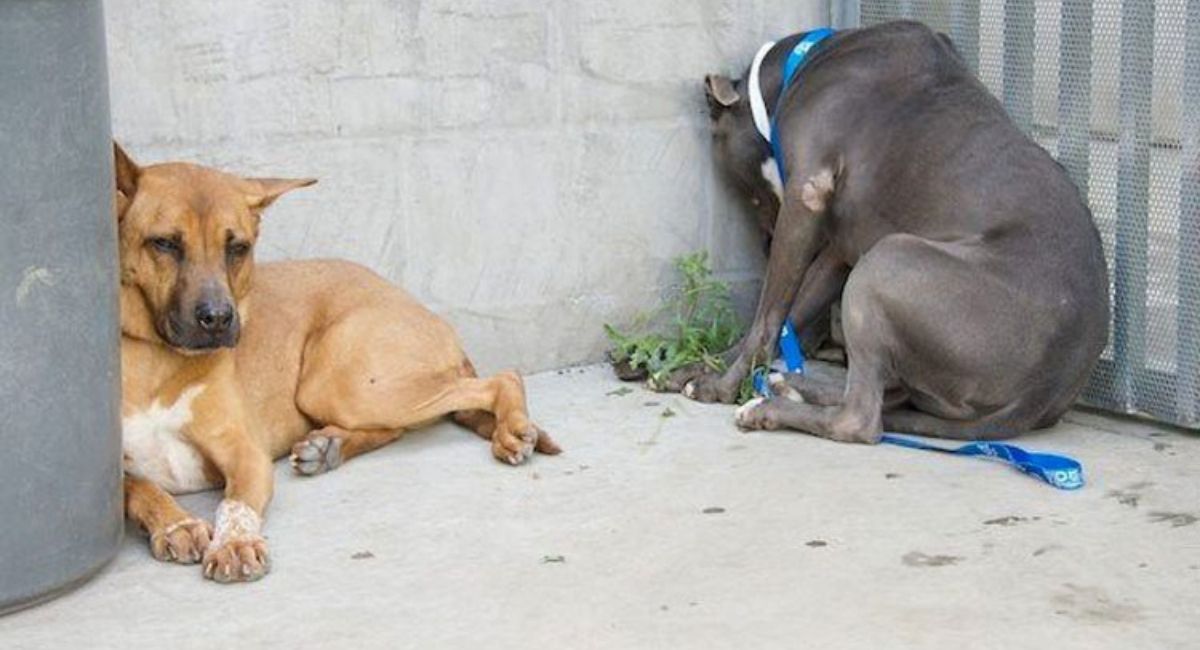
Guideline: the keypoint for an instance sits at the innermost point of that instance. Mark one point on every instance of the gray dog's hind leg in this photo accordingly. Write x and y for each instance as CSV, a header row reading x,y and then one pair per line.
x,y
859,416
903,309
823,384
924,424
782,413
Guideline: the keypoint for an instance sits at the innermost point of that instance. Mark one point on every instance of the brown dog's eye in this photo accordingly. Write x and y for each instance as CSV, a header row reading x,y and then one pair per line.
x,y
237,249
165,245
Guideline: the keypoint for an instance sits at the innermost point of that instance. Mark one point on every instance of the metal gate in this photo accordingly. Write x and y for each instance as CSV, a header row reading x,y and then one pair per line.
x,y
1111,88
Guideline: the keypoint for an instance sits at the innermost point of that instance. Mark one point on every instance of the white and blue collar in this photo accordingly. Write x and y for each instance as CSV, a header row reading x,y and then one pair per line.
x,y
763,121
758,105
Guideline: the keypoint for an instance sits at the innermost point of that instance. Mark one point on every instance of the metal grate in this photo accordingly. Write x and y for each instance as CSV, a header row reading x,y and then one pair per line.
x,y
1112,89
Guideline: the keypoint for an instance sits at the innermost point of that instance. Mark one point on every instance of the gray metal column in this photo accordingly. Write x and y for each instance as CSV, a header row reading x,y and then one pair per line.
x,y
1187,314
1019,44
1075,91
59,362
1133,197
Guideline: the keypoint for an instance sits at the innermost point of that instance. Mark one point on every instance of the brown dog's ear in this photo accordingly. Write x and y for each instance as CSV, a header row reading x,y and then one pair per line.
x,y
261,192
720,91
127,173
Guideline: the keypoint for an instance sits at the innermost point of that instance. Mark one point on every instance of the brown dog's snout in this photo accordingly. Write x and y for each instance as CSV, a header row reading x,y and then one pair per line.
x,y
214,316
205,322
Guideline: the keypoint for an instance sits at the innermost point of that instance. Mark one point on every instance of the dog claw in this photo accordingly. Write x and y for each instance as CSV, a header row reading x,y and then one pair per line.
x,y
315,454
708,388
755,415
241,560
742,410
182,542
778,383
309,452
514,447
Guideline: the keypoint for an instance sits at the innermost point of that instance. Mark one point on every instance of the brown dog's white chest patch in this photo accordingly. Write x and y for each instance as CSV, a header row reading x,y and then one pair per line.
x,y
156,449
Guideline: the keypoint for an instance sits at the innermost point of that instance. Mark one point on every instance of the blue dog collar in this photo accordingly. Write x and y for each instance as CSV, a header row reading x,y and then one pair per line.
x,y
795,60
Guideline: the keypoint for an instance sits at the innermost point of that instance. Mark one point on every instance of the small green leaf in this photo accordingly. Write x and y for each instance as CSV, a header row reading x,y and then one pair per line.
x,y
700,324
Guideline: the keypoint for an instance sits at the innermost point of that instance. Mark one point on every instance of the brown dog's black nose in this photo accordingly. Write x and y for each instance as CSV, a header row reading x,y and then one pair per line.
x,y
214,317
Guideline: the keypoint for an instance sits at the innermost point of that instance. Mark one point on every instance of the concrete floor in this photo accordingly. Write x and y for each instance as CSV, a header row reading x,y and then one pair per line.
x,y
663,526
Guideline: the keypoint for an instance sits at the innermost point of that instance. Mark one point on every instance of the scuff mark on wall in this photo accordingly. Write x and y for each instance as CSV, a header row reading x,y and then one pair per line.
x,y
31,278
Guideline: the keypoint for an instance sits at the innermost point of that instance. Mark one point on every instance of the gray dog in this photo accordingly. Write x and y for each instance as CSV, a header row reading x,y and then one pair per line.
x,y
973,285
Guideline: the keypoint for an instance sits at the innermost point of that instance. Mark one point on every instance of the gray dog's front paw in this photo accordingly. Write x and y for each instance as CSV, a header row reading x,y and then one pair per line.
x,y
711,388
760,414
677,380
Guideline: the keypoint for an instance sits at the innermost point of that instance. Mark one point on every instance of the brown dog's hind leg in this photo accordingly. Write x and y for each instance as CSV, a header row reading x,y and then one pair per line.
x,y
175,535
368,416
494,407
327,448
484,426
483,423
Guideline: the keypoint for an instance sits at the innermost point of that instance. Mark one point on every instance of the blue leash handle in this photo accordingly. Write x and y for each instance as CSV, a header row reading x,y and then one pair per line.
x,y
1062,472
1057,471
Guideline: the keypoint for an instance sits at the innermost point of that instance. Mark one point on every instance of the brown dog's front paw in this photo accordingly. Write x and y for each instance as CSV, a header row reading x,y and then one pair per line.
x,y
756,415
184,541
316,454
711,388
238,560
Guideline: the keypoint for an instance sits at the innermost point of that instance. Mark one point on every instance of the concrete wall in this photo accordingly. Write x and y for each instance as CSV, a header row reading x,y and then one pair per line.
x,y
526,167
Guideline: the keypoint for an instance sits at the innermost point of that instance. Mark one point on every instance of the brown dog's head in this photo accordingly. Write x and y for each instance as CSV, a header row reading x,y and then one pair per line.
x,y
186,235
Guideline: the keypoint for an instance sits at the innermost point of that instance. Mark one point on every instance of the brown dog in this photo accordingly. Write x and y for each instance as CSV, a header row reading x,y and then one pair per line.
x,y
226,366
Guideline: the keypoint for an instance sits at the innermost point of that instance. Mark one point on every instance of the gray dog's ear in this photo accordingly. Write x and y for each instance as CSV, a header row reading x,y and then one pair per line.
x,y
719,90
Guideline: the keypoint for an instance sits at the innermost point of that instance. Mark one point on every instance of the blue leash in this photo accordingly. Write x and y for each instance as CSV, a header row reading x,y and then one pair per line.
x,y
791,66
1062,472
1058,471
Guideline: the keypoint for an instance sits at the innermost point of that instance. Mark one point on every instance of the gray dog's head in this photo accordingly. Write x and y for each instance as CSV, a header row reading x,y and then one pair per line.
x,y
743,156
